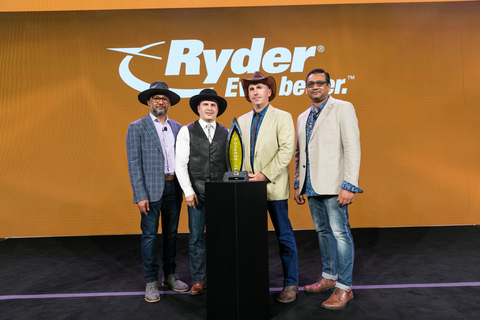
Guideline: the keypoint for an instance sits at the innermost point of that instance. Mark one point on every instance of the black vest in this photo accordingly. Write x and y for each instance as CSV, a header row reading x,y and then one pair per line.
x,y
207,161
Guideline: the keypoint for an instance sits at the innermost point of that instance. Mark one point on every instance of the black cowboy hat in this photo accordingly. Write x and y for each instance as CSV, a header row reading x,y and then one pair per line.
x,y
158,87
208,94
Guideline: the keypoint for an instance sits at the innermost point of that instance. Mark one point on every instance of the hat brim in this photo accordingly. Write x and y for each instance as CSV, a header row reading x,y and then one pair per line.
x,y
144,96
195,102
269,81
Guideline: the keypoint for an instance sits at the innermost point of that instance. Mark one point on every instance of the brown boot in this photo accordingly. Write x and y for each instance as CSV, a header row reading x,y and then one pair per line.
x,y
288,294
338,300
321,285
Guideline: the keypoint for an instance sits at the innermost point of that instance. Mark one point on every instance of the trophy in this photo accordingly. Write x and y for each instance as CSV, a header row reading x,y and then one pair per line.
x,y
235,154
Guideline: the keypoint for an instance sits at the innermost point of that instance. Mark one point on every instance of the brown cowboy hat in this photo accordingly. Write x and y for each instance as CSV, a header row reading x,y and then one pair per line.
x,y
158,87
208,94
258,77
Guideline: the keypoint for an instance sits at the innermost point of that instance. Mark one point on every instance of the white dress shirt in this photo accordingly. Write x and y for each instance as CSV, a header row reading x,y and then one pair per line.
x,y
183,154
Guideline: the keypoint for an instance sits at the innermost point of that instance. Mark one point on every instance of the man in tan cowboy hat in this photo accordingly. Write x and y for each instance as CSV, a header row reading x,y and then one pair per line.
x,y
151,164
269,137
201,156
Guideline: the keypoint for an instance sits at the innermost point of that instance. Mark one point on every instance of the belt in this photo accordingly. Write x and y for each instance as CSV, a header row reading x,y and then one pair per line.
x,y
169,177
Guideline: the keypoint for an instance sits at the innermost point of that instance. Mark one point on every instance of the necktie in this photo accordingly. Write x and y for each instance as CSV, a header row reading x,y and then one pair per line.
x,y
209,135
254,133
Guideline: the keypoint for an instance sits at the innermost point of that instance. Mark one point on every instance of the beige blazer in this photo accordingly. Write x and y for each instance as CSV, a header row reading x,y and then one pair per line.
x,y
274,150
334,148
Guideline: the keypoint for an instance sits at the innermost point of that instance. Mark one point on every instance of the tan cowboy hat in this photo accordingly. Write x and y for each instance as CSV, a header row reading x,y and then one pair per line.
x,y
258,77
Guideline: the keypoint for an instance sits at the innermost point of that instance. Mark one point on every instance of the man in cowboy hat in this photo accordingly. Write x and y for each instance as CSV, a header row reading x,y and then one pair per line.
x,y
151,164
201,157
269,137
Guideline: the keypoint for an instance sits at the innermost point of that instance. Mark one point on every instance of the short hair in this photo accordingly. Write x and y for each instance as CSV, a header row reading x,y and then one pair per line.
x,y
315,71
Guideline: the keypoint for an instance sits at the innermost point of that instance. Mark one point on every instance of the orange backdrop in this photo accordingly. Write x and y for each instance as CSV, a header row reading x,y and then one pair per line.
x,y
411,70
61,5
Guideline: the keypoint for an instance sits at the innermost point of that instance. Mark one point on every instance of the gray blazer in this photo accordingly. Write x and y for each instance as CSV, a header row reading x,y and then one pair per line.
x,y
146,160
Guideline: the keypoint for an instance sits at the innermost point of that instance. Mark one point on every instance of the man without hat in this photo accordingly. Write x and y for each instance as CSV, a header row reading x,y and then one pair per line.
x,y
151,164
327,165
269,137
201,157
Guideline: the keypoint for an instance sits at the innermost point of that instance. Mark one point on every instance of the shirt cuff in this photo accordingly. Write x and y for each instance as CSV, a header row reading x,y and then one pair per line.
x,y
296,184
350,187
189,192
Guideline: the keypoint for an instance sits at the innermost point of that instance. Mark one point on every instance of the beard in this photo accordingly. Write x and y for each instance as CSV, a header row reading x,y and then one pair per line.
x,y
158,112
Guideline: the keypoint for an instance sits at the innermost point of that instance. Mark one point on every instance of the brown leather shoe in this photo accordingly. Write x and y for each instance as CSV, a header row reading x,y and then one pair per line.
x,y
288,294
338,300
197,288
321,285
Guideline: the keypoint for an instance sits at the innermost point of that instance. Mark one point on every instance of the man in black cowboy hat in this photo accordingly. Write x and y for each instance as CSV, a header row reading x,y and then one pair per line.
x,y
201,157
269,137
151,164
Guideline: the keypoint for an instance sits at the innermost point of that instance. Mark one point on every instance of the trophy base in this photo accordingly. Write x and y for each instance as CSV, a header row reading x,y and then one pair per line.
x,y
234,176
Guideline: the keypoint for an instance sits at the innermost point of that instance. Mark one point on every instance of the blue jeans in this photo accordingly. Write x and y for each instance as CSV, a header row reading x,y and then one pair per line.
x,y
335,239
169,206
286,240
196,241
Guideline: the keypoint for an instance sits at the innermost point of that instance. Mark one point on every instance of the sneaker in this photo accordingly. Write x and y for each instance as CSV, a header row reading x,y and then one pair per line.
x,y
151,292
172,281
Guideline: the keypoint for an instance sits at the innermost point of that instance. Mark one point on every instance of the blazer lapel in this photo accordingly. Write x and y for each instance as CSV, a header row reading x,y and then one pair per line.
x,y
174,129
152,132
247,121
326,110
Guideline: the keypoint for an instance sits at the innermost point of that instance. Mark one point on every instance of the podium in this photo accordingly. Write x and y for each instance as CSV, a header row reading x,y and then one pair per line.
x,y
237,250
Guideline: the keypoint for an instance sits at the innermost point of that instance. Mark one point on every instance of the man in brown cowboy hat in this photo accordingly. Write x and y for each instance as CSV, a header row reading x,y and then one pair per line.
x,y
201,157
151,164
269,137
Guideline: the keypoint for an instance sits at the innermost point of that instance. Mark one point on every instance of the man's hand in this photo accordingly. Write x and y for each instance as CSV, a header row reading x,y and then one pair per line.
x,y
192,201
299,197
256,177
345,198
143,206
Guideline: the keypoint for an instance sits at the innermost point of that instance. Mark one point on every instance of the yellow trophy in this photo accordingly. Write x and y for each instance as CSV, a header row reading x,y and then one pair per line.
x,y
235,154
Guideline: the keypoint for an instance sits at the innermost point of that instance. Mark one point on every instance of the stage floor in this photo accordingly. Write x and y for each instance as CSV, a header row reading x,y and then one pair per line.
x,y
399,273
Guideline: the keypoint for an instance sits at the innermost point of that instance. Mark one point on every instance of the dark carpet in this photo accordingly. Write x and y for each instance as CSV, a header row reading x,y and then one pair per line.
x,y
399,273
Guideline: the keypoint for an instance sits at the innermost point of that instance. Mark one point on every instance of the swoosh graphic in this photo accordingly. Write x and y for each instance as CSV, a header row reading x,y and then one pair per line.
x,y
140,85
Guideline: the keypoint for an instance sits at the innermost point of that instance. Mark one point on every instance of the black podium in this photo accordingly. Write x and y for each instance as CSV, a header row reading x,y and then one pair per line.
x,y
237,250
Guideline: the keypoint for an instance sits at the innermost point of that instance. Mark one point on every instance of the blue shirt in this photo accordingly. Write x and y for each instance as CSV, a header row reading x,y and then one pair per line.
x,y
311,120
252,145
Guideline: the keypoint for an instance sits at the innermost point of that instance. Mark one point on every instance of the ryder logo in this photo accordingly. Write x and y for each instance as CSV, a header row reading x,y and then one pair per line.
x,y
190,53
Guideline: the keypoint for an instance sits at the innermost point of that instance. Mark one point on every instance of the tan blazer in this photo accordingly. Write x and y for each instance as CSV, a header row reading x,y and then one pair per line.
x,y
274,150
334,148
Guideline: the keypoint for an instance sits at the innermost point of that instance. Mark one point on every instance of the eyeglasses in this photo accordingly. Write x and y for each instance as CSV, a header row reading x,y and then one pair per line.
x,y
312,84
158,99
